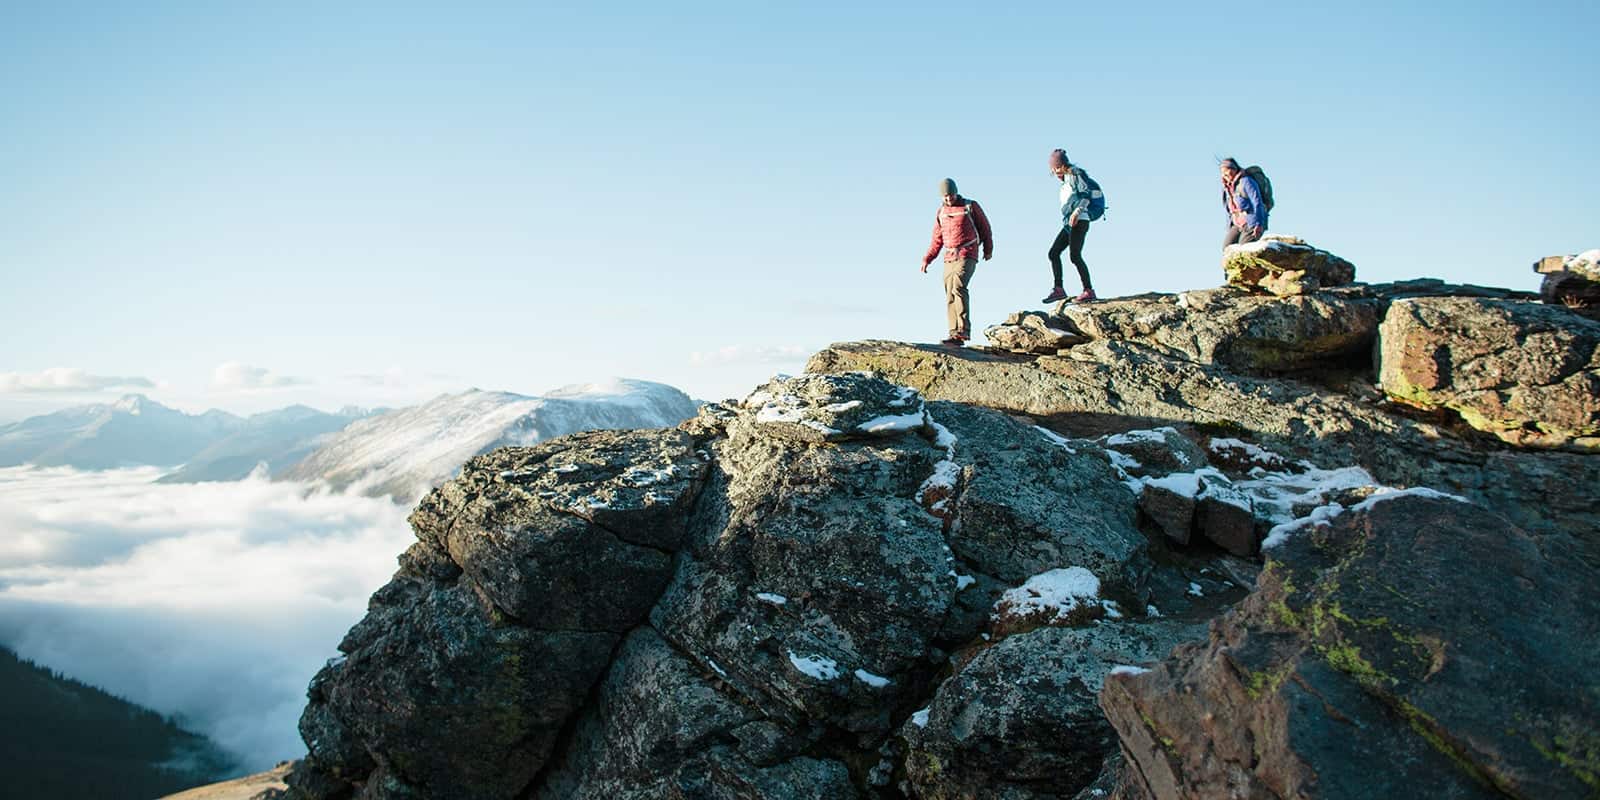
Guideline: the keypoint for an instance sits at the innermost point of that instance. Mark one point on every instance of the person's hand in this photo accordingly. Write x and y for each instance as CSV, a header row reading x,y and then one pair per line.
x,y
924,266
1072,220
988,254
1255,230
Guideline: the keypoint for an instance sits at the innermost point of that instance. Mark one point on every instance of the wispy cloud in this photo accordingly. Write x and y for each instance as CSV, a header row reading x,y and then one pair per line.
x,y
397,378
67,379
212,602
748,354
235,377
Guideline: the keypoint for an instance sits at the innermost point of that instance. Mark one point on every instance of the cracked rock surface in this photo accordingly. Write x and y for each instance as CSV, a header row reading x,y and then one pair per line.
x,y
1125,570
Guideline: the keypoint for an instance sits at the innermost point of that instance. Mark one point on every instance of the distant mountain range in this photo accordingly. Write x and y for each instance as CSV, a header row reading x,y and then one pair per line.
x,y
137,431
404,453
401,453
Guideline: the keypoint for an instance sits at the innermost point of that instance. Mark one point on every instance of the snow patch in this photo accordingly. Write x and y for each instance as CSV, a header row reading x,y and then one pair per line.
x,y
769,597
1057,592
1319,516
820,667
905,397
1056,438
1227,445
1128,669
1386,493
894,423
875,681
1157,435
920,718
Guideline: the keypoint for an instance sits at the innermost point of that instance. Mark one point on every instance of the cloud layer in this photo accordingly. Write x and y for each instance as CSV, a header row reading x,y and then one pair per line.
x,y
67,379
212,602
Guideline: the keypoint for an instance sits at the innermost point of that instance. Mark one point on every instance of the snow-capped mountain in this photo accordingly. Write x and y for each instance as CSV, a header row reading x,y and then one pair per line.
x,y
406,452
136,431
133,431
277,439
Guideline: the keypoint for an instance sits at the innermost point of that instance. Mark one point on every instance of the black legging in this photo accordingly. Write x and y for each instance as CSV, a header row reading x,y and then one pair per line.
x,y
1071,239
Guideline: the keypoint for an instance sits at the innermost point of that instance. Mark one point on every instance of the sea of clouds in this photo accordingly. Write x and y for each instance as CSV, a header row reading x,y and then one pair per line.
x,y
214,603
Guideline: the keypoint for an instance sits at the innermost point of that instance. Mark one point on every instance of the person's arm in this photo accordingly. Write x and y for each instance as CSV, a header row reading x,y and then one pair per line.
x,y
980,220
935,247
1079,201
1252,196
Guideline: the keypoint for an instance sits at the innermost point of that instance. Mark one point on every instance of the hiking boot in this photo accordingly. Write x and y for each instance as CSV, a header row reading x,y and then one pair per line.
x,y
954,341
1087,297
1055,294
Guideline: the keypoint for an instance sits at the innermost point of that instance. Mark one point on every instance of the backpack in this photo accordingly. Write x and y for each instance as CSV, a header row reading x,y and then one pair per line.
x,y
1260,177
1097,198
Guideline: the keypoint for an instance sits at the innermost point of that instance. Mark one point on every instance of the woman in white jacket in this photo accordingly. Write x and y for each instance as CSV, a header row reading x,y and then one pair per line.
x,y
1081,202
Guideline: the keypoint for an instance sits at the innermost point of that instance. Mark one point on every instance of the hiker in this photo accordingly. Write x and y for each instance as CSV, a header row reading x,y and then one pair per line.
x,y
1081,203
959,228
1246,203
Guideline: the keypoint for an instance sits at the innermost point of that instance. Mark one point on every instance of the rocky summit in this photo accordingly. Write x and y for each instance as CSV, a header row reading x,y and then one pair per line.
x,y
1335,541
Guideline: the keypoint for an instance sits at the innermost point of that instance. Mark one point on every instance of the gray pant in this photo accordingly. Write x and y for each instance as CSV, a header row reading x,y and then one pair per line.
x,y
1238,236
957,274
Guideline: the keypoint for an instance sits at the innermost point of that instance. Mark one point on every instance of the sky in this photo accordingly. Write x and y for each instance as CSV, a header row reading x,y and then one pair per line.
x,y
249,205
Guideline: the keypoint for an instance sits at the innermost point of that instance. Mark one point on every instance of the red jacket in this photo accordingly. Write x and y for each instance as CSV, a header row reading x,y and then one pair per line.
x,y
960,228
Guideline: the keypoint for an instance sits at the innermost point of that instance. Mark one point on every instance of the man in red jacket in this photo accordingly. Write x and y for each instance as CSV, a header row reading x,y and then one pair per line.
x,y
959,229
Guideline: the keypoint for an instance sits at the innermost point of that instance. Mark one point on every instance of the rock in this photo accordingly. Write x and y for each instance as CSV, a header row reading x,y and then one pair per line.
x,y
1572,291
518,518
1029,502
1284,266
1244,332
1122,385
1226,515
1021,720
1032,332
833,408
816,580
1585,265
1171,507
823,582
431,667
488,634
1525,372
1204,501
1418,633
661,728
1154,451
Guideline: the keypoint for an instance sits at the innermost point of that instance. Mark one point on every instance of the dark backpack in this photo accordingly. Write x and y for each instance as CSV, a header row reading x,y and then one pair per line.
x,y
1097,197
1262,183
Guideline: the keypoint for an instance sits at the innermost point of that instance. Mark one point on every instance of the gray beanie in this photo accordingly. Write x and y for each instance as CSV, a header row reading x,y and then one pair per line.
x,y
947,186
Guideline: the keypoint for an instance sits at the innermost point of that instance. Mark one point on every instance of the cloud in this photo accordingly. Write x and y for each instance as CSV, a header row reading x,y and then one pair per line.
x,y
747,354
214,603
67,379
234,376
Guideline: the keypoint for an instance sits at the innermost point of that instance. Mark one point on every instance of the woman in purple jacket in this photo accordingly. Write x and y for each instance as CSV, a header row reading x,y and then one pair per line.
x,y
1247,212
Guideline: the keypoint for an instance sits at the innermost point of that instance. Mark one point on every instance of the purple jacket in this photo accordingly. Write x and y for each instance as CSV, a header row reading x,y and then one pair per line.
x,y
1245,199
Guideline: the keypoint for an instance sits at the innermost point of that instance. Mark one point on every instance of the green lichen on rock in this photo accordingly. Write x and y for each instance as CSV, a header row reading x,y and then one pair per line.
x,y
1577,750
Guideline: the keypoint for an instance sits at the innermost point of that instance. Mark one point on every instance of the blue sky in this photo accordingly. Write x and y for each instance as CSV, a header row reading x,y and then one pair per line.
x,y
378,202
